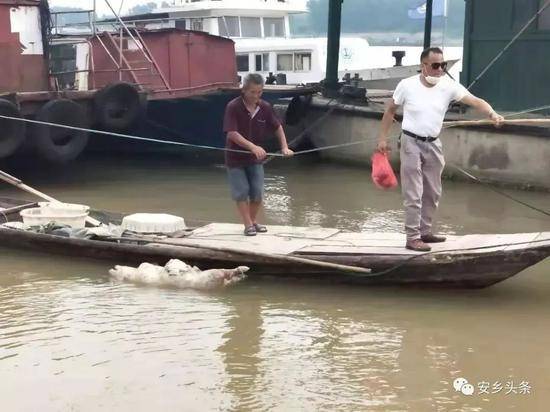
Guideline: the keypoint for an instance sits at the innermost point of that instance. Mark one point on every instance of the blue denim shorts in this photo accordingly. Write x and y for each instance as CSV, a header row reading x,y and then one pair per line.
x,y
246,183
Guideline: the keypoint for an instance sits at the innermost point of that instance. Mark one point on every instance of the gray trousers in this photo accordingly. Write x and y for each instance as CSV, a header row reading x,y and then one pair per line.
x,y
421,168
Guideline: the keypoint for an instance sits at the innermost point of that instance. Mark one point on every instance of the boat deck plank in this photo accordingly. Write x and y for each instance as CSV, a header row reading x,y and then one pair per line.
x,y
286,240
281,240
392,243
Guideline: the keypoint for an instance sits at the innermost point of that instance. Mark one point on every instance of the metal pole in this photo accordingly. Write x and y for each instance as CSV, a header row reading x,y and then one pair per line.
x,y
333,43
428,24
94,19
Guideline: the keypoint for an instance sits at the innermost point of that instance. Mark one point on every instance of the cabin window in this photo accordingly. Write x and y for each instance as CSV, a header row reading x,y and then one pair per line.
x,y
229,26
302,61
251,27
196,24
180,24
63,59
274,27
544,17
262,62
285,61
242,63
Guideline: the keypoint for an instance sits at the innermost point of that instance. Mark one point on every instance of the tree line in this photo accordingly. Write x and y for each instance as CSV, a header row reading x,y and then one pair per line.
x,y
65,19
364,16
358,16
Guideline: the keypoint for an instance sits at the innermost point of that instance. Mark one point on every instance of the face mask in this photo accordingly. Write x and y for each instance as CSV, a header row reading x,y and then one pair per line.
x,y
432,80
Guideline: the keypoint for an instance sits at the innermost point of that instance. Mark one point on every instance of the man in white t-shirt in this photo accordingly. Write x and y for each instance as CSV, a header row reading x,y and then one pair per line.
x,y
425,99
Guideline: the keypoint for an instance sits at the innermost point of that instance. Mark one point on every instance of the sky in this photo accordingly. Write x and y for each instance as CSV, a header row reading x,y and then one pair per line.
x,y
101,5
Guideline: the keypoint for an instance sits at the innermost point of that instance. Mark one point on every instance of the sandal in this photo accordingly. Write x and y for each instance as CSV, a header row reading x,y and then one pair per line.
x,y
260,228
250,231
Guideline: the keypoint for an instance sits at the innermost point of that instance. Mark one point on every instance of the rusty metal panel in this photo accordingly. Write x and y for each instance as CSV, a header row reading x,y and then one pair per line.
x,y
211,59
185,58
19,72
13,3
6,36
190,59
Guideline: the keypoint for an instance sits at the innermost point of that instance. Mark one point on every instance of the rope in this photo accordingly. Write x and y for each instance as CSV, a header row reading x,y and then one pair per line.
x,y
513,114
499,55
419,255
477,180
127,136
334,146
299,137
534,109
294,140
493,189
170,142
407,261
540,122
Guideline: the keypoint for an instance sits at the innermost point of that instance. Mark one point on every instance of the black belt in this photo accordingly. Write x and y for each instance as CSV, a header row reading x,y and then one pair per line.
x,y
421,138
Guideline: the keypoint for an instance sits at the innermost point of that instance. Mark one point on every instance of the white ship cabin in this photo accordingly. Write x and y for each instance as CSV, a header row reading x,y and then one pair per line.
x,y
261,32
238,19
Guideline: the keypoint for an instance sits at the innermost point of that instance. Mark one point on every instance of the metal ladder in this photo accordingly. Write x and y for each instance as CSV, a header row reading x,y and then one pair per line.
x,y
126,48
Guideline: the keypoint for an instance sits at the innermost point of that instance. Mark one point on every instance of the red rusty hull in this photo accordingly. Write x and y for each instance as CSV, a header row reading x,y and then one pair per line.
x,y
191,62
19,72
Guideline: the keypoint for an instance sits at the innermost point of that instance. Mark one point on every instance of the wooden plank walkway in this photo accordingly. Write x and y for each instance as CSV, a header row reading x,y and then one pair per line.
x,y
290,239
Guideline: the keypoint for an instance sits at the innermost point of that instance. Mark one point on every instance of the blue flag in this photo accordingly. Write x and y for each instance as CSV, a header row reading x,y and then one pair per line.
x,y
418,11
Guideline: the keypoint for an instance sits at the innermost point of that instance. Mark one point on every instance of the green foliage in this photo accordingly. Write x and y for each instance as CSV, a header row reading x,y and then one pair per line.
x,y
142,8
67,19
147,8
364,16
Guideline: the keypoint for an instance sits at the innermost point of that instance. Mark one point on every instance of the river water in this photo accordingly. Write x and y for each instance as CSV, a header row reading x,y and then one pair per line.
x,y
72,339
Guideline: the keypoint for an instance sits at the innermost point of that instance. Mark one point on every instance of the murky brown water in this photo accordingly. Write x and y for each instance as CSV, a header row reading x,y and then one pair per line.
x,y
70,339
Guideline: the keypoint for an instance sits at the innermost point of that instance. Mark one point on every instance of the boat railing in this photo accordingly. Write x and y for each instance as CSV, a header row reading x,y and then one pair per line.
x,y
121,65
58,26
153,60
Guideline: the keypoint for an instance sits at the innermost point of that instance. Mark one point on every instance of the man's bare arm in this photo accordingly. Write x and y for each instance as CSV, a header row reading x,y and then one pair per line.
x,y
281,136
483,107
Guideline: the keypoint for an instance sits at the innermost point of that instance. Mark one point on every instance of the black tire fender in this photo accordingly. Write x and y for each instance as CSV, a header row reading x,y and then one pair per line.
x,y
117,106
12,133
297,110
58,144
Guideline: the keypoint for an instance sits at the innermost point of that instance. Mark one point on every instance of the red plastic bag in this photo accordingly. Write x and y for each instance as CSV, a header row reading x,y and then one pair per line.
x,y
382,173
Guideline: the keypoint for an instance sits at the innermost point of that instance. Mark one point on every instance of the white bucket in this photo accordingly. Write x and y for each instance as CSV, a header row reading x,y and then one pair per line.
x,y
42,216
153,223
64,208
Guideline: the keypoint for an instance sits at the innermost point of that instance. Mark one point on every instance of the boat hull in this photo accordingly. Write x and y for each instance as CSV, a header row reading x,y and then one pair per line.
x,y
493,155
468,270
194,120
471,261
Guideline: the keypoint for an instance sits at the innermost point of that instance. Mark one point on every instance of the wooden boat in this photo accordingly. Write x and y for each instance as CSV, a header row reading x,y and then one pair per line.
x,y
471,261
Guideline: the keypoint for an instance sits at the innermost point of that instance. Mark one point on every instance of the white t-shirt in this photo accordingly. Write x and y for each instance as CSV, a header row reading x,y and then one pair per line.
x,y
424,107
